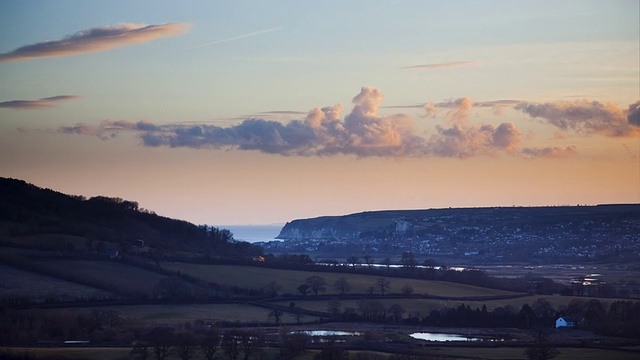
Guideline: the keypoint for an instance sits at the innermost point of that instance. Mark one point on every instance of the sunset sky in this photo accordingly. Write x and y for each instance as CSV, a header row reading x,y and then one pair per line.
x,y
259,112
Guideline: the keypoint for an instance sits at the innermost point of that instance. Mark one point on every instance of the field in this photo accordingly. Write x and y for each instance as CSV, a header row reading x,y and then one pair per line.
x,y
179,314
257,277
17,283
125,277
450,353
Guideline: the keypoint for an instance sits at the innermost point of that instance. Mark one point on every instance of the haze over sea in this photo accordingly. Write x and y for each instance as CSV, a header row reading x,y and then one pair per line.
x,y
254,233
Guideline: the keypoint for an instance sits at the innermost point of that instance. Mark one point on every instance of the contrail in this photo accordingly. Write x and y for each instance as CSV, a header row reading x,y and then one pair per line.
x,y
255,33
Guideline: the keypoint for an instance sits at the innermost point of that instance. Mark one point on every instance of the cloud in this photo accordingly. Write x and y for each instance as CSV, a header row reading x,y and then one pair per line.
x,y
36,104
587,117
108,128
326,132
362,133
463,139
550,152
94,40
442,65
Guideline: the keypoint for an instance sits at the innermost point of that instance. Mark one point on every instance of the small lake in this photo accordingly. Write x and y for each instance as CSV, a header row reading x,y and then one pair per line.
x,y
442,337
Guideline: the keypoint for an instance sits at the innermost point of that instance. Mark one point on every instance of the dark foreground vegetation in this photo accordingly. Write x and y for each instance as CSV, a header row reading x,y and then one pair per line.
x,y
125,277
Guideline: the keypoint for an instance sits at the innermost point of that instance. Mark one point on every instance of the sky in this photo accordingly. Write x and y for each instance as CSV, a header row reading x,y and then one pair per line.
x,y
262,112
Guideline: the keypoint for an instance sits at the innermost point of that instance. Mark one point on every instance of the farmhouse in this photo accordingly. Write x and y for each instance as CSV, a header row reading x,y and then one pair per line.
x,y
566,322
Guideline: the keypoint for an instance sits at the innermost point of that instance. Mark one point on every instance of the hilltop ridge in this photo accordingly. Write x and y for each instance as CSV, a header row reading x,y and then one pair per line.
x,y
491,233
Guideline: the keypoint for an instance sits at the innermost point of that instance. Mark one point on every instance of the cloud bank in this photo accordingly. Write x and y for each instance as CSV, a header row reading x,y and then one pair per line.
x,y
94,40
36,104
364,133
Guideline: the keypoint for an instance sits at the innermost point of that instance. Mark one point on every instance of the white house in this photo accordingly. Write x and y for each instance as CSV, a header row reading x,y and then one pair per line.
x,y
565,322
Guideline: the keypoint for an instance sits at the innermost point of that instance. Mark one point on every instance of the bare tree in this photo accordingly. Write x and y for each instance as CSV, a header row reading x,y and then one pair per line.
x,y
408,260
342,285
303,289
209,344
407,289
396,311
160,338
334,307
369,261
383,285
231,344
541,348
353,260
273,288
275,314
316,284
250,342
186,346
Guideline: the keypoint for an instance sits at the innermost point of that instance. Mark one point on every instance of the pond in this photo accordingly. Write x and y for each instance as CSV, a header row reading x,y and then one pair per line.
x,y
442,337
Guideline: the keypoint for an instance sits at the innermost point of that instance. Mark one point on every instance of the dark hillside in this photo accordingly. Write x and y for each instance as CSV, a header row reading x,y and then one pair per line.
x,y
27,210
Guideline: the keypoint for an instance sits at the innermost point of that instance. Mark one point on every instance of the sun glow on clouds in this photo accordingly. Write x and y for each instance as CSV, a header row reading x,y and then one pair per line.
x,y
364,133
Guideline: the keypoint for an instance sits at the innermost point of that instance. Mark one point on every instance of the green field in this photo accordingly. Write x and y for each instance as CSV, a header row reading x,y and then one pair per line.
x,y
258,277
17,283
179,314
125,277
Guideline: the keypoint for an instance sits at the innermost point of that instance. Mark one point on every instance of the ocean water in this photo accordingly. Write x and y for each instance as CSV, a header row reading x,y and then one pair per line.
x,y
254,233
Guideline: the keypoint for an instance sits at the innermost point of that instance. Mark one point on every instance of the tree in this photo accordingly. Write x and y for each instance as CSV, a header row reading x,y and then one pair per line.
x,y
273,288
250,342
541,348
407,290
231,344
383,285
353,260
209,344
396,311
275,314
140,351
332,352
342,285
334,307
316,284
387,263
293,343
369,261
303,289
408,261
160,338
186,346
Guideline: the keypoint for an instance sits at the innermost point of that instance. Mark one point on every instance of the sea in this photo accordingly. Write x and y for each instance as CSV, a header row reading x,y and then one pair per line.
x,y
254,233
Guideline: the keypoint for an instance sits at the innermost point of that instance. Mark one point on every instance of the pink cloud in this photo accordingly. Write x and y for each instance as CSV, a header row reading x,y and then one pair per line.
x,y
36,104
94,40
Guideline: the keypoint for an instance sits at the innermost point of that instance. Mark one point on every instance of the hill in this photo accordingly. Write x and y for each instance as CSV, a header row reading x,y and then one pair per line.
x,y
49,220
514,233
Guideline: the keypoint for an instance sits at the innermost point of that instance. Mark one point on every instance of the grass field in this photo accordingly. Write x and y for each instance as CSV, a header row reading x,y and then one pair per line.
x,y
125,277
257,277
18,283
179,314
